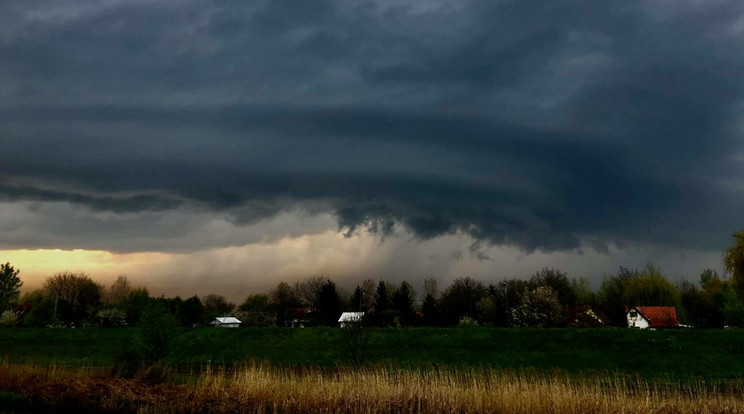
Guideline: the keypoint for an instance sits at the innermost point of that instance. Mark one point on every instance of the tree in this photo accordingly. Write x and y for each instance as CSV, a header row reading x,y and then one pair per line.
x,y
216,306
77,297
157,334
308,290
42,309
10,285
134,304
709,313
192,312
461,299
402,302
430,310
382,297
733,261
558,282
328,304
612,295
118,291
256,310
430,288
357,300
539,308
284,301
651,289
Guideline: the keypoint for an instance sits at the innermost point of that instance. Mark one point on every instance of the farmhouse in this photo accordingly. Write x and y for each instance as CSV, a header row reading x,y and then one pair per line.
x,y
349,318
644,317
226,322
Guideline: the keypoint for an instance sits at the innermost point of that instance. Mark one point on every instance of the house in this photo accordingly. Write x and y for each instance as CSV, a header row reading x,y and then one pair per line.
x,y
347,319
644,317
226,322
583,316
301,317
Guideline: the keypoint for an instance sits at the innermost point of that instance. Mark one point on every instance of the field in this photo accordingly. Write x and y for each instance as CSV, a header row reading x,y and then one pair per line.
x,y
407,370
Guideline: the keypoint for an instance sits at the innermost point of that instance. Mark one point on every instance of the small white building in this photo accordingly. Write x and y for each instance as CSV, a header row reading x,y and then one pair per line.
x,y
349,318
226,322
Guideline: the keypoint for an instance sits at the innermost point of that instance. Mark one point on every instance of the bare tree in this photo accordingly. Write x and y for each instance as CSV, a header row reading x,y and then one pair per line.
x,y
430,288
118,291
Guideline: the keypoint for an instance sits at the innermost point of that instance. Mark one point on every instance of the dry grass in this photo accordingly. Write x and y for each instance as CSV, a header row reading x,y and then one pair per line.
x,y
261,388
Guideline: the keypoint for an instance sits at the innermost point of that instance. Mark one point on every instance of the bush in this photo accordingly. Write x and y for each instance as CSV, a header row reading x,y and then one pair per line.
x,y
467,322
157,334
8,318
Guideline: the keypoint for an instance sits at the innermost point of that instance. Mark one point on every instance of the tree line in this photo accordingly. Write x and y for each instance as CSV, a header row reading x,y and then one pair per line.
x,y
548,299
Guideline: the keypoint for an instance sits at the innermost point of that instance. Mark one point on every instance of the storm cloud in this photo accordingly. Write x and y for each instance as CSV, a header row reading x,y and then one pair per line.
x,y
539,125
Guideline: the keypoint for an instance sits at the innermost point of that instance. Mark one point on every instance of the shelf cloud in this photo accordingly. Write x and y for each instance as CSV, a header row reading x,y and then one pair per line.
x,y
180,126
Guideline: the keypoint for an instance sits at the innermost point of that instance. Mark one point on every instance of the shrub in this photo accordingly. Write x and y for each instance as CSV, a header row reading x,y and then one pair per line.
x,y
8,318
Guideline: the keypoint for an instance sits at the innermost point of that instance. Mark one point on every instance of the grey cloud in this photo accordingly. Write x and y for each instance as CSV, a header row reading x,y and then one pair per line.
x,y
537,125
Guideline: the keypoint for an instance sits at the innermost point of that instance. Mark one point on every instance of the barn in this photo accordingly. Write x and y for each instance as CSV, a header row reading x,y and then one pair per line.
x,y
645,317
349,318
226,322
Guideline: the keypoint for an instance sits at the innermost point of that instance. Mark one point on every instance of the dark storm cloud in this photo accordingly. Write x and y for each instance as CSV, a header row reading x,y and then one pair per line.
x,y
531,124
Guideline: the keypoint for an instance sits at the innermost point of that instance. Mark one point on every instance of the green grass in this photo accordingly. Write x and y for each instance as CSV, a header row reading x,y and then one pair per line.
x,y
651,354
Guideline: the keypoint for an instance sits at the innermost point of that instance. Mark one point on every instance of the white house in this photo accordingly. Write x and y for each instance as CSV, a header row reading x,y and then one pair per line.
x,y
644,317
226,322
349,318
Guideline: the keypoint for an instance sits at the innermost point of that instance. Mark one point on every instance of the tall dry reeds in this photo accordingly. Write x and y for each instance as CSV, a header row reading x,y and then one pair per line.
x,y
261,388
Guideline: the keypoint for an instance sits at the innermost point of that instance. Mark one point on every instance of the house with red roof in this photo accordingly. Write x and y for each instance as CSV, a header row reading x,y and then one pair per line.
x,y
644,317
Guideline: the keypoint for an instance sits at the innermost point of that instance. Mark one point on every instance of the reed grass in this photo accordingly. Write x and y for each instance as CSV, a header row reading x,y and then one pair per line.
x,y
264,388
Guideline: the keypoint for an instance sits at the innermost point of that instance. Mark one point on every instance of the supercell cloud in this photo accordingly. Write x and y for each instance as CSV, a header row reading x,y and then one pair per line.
x,y
545,126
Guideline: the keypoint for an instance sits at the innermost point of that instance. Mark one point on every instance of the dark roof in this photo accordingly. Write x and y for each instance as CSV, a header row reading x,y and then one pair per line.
x,y
659,316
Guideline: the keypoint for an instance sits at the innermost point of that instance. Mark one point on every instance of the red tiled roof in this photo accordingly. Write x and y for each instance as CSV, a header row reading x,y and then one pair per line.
x,y
660,316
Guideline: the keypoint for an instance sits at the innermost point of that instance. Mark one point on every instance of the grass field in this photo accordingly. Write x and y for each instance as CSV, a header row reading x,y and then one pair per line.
x,y
678,354
472,370
262,388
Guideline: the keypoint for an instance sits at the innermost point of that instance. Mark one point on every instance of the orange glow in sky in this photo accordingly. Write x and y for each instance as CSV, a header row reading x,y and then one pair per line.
x,y
103,266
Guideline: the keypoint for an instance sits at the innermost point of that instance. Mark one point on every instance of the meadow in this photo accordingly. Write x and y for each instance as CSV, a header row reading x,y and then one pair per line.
x,y
423,370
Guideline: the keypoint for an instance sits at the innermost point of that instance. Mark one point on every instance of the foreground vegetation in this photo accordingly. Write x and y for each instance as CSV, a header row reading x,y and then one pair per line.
x,y
257,388
412,370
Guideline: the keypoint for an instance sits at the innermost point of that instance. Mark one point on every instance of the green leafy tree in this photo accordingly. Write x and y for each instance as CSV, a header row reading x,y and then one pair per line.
x,y
134,304
77,296
612,295
733,261
42,309
558,282
158,334
10,285
651,289
733,310
709,314
461,299
540,308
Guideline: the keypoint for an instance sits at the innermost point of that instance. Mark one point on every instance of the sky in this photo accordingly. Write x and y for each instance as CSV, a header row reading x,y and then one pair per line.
x,y
223,146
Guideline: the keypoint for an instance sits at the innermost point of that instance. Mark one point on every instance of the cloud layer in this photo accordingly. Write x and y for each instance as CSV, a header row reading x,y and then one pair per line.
x,y
170,126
